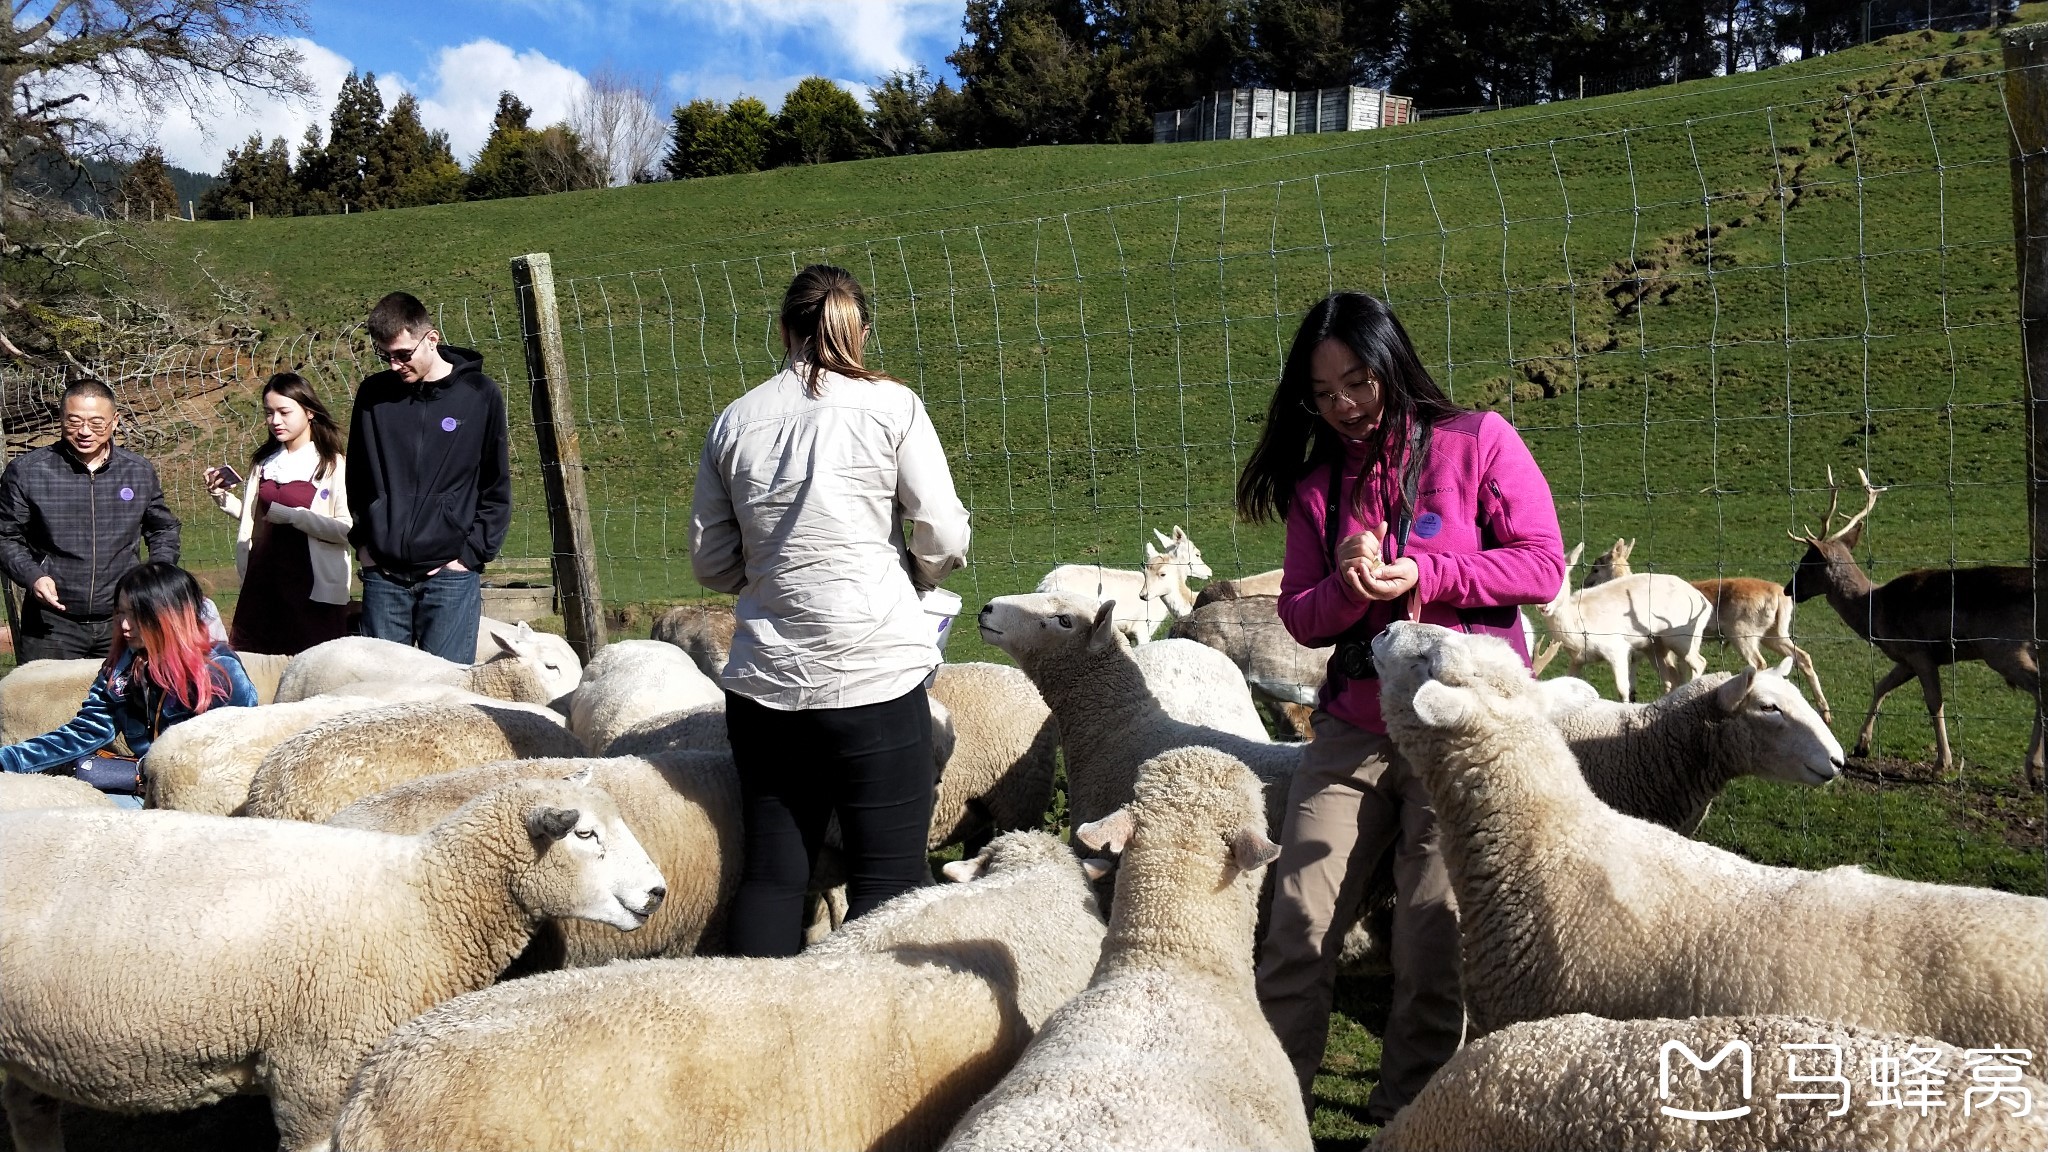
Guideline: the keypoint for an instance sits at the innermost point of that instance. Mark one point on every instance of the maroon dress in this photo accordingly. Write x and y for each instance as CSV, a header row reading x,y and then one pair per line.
x,y
277,613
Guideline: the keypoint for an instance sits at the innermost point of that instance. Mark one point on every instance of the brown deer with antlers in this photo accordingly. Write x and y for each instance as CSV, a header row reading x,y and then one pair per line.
x,y
1925,619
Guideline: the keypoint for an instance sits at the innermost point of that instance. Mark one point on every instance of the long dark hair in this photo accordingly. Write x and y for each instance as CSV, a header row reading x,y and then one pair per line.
x,y
164,602
328,438
824,314
1295,440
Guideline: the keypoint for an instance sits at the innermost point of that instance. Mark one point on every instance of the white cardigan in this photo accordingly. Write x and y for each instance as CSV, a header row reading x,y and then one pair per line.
x,y
325,524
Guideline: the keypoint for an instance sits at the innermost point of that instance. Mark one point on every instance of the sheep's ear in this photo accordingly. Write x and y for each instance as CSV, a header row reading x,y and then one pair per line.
x,y
580,777
1784,669
961,871
1572,561
1103,634
524,631
505,645
551,823
1250,848
1729,696
1096,867
1166,541
1108,834
1439,705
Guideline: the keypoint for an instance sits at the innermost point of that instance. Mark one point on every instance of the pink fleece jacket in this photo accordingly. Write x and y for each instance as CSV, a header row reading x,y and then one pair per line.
x,y
1484,537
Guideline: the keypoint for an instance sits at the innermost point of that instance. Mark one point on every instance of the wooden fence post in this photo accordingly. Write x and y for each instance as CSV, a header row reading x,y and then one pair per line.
x,y
574,550
2026,103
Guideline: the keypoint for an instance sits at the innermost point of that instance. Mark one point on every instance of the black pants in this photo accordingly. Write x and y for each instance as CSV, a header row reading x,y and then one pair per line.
x,y
871,764
47,634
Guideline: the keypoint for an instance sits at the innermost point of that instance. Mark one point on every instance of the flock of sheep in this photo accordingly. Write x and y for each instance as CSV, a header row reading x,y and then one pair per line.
x,y
427,905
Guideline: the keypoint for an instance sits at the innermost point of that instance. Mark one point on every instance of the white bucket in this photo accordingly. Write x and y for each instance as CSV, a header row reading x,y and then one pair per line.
x,y
944,606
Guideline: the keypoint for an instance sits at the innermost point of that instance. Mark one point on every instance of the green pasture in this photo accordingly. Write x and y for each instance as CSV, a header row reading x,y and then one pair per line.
x,y
1692,301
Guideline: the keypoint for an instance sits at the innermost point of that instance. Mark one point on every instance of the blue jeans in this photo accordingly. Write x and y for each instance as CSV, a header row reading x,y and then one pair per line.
x,y
435,613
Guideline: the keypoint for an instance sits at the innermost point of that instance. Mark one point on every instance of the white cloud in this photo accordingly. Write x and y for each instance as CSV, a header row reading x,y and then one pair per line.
x,y
199,138
872,36
466,83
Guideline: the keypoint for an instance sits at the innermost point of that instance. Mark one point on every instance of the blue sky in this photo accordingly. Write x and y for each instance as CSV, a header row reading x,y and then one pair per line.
x,y
456,55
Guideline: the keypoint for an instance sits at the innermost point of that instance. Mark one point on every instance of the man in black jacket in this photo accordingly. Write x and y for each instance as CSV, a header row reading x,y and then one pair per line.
x,y
429,482
72,518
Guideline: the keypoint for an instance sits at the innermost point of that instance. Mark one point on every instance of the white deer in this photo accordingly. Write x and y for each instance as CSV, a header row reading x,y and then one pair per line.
x,y
1657,615
1145,599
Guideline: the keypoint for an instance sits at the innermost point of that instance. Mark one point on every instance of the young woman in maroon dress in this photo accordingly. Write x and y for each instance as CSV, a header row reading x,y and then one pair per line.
x,y
292,548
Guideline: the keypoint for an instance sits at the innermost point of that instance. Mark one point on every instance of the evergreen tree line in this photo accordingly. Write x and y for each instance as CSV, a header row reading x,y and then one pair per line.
x,y
373,159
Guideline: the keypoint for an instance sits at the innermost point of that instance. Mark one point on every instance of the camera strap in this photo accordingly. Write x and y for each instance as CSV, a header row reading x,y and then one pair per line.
x,y
1404,518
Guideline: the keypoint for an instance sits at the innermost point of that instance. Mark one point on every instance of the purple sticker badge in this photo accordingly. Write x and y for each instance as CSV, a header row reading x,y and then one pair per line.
x,y
127,493
448,423
323,494
1428,525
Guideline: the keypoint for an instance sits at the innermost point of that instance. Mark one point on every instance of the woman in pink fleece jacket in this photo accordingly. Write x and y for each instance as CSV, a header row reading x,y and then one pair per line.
x,y
1442,516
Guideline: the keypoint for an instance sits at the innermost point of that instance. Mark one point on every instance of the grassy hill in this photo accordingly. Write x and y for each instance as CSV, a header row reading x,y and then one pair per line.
x,y
1692,301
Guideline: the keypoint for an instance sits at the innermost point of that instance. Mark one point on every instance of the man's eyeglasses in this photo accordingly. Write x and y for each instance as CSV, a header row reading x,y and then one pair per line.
x,y
81,423
1324,400
400,355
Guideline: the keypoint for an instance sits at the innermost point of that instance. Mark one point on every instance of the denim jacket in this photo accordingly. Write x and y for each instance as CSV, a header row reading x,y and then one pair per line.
x,y
126,705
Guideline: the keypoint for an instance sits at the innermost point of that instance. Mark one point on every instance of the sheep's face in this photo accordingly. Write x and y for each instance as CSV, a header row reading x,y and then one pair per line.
x,y
1016,851
1192,797
1787,739
1435,678
1036,625
550,657
591,865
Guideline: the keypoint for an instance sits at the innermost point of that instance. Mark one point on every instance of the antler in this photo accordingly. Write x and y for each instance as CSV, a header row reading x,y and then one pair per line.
x,y
1827,526
1544,658
1870,492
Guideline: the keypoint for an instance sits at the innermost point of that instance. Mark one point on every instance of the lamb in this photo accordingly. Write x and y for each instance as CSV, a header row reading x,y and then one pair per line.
x,y
560,668
1577,1082
880,1037
703,630
998,777
1566,905
1149,596
336,762
221,955
683,807
331,667
207,763
1653,614
1257,584
629,681
1665,761
19,790
42,696
1283,673
1167,1047
1110,719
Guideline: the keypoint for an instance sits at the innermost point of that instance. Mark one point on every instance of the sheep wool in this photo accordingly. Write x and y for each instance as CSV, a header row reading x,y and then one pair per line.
x,y
999,775
631,681
1167,1048
1566,905
878,1038
703,631
1576,1082
42,696
1111,719
20,790
336,762
218,955
683,807
206,763
516,675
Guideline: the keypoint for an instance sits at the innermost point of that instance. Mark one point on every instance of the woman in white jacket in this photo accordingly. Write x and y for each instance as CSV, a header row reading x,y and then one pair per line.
x,y
292,547
801,496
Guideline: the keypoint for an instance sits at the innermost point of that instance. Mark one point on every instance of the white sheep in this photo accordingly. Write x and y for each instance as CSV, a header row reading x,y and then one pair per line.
x,y
1146,598
338,761
630,681
998,775
878,1038
219,955
1785,1083
560,668
1167,1047
1110,718
1257,584
1566,905
43,696
207,763
683,807
1281,671
1653,614
703,630
331,667
1196,684
264,671
1666,761
691,730
19,790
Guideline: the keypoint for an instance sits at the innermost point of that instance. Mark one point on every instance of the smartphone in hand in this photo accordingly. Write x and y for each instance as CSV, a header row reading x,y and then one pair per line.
x,y
227,477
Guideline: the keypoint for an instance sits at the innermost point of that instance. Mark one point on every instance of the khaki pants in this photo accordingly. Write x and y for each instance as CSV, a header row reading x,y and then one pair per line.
x,y
1353,799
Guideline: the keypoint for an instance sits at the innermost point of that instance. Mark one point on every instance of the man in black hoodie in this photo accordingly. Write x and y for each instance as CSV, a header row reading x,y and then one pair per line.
x,y
429,482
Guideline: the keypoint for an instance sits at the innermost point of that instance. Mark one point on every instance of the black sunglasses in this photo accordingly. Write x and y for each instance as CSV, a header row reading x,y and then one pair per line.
x,y
398,355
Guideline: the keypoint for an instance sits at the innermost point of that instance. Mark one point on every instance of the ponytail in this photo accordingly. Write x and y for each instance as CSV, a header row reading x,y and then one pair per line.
x,y
824,323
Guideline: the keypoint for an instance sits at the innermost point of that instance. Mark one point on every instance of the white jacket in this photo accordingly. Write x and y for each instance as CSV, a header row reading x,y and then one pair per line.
x,y
799,508
325,524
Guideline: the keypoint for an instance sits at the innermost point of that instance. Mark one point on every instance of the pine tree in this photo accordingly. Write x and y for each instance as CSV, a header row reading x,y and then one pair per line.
x,y
146,191
742,140
352,138
689,134
412,165
314,176
254,175
505,166
820,123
